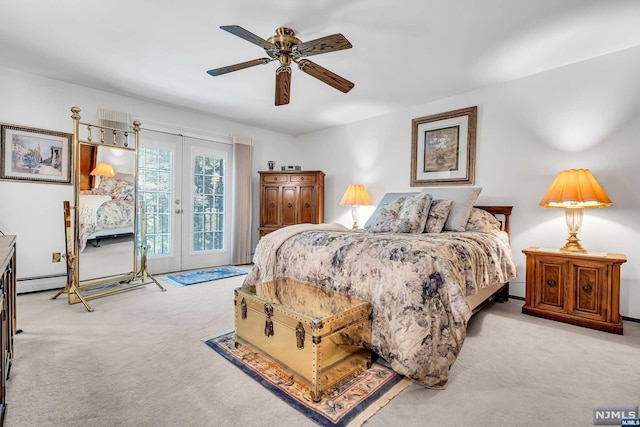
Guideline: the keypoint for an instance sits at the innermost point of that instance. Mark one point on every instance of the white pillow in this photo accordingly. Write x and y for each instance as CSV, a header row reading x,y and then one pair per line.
x,y
463,199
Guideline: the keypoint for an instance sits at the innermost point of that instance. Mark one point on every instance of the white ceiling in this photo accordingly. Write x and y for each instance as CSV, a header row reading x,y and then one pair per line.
x,y
404,52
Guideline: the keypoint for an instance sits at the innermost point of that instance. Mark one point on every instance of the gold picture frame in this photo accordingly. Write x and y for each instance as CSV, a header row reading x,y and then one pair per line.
x,y
443,148
35,155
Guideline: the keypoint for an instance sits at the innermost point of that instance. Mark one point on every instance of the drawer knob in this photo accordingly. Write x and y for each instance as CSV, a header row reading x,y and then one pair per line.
x,y
587,288
272,205
551,283
288,205
302,178
307,205
275,178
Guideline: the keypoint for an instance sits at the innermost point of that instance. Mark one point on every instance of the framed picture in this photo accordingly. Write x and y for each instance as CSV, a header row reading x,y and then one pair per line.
x,y
35,155
443,148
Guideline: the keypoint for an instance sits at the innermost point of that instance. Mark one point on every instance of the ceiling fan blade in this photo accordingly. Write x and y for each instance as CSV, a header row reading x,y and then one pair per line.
x,y
283,84
240,66
322,74
322,45
237,30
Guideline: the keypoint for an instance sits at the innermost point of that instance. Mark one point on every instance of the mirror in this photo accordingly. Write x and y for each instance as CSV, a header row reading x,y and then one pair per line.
x,y
101,227
107,212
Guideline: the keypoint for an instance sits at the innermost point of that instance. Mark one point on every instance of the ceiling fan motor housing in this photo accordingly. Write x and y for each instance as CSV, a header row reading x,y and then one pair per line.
x,y
284,40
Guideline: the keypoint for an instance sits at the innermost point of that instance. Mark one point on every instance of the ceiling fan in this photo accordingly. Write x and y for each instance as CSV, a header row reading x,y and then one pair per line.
x,y
285,47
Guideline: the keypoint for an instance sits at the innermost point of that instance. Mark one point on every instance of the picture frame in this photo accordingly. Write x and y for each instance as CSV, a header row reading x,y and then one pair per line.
x,y
35,155
443,148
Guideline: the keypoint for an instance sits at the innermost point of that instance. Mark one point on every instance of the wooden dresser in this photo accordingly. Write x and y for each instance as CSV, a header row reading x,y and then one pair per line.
x,y
8,309
288,198
582,289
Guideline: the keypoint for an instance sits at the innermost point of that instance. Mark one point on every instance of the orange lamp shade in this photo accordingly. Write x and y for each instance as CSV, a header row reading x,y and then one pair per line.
x,y
103,169
575,188
356,195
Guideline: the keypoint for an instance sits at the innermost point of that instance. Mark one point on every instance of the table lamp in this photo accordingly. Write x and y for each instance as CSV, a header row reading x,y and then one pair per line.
x,y
356,196
574,190
103,169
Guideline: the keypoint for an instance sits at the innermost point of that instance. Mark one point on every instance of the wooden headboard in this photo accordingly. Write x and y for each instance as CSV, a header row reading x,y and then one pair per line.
x,y
87,164
498,212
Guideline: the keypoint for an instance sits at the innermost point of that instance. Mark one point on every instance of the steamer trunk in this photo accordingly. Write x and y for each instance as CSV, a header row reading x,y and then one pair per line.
x,y
322,336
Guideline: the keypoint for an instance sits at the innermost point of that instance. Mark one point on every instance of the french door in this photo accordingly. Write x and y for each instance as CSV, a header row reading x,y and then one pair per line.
x,y
184,186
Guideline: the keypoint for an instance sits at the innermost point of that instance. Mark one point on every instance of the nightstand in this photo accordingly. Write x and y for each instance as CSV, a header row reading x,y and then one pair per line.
x,y
581,289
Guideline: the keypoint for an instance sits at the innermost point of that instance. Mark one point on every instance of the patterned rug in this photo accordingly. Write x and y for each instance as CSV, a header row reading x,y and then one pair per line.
x,y
186,279
351,405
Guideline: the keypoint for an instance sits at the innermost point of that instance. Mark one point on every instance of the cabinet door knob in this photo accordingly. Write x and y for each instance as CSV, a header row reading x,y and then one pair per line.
x,y
307,205
272,205
551,282
289,205
587,288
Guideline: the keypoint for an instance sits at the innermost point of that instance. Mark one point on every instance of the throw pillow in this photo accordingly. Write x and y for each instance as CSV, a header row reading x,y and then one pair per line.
x,y
438,214
415,211
481,220
105,187
388,219
386,199
463,199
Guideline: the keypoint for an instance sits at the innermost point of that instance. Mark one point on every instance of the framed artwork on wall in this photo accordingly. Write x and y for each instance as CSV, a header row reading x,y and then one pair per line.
x,y
443,148
35,155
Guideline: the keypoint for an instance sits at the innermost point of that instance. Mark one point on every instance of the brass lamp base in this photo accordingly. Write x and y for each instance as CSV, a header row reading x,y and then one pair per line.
x,y
573,245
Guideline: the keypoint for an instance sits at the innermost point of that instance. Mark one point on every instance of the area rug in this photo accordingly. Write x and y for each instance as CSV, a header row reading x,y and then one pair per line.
x,y
351,405
186,279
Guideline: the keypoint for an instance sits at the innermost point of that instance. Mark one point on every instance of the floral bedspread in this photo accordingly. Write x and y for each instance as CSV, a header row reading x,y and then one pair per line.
x,y
416,283
103,214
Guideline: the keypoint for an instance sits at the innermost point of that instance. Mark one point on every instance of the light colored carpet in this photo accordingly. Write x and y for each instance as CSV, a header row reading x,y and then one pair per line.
x,y
138,360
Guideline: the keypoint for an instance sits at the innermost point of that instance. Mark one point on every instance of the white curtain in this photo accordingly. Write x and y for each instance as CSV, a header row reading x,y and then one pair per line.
x,y
242,207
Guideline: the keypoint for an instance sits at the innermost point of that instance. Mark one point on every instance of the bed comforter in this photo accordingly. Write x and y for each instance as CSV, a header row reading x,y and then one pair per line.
x,y
99,213
416,283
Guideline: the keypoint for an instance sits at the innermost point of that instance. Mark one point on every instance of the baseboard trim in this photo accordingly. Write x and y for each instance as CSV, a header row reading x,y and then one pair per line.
x,y
41,283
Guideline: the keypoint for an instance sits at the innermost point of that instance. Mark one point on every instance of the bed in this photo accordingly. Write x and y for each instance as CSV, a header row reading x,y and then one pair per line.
x,y
425,260
107,210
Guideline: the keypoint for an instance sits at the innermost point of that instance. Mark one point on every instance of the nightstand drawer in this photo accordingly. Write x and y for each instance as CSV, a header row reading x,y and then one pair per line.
x,y
550,285
589,292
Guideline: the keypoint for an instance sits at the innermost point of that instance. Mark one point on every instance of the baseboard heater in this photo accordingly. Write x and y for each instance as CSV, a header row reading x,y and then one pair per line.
x,y
50,276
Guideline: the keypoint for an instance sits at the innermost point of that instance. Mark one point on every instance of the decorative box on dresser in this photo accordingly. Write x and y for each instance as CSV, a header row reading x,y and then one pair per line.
x,y
8,309
290,197
578,288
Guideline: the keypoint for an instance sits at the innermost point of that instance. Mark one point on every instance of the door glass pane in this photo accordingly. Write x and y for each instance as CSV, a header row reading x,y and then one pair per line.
x,y
154,190
208,203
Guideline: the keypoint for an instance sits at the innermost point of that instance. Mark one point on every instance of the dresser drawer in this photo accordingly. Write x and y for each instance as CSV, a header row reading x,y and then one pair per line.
x,y
275,179
303,178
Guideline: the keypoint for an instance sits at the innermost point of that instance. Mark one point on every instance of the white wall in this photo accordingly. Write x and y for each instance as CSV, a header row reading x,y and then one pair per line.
x,y
585,115
33,211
